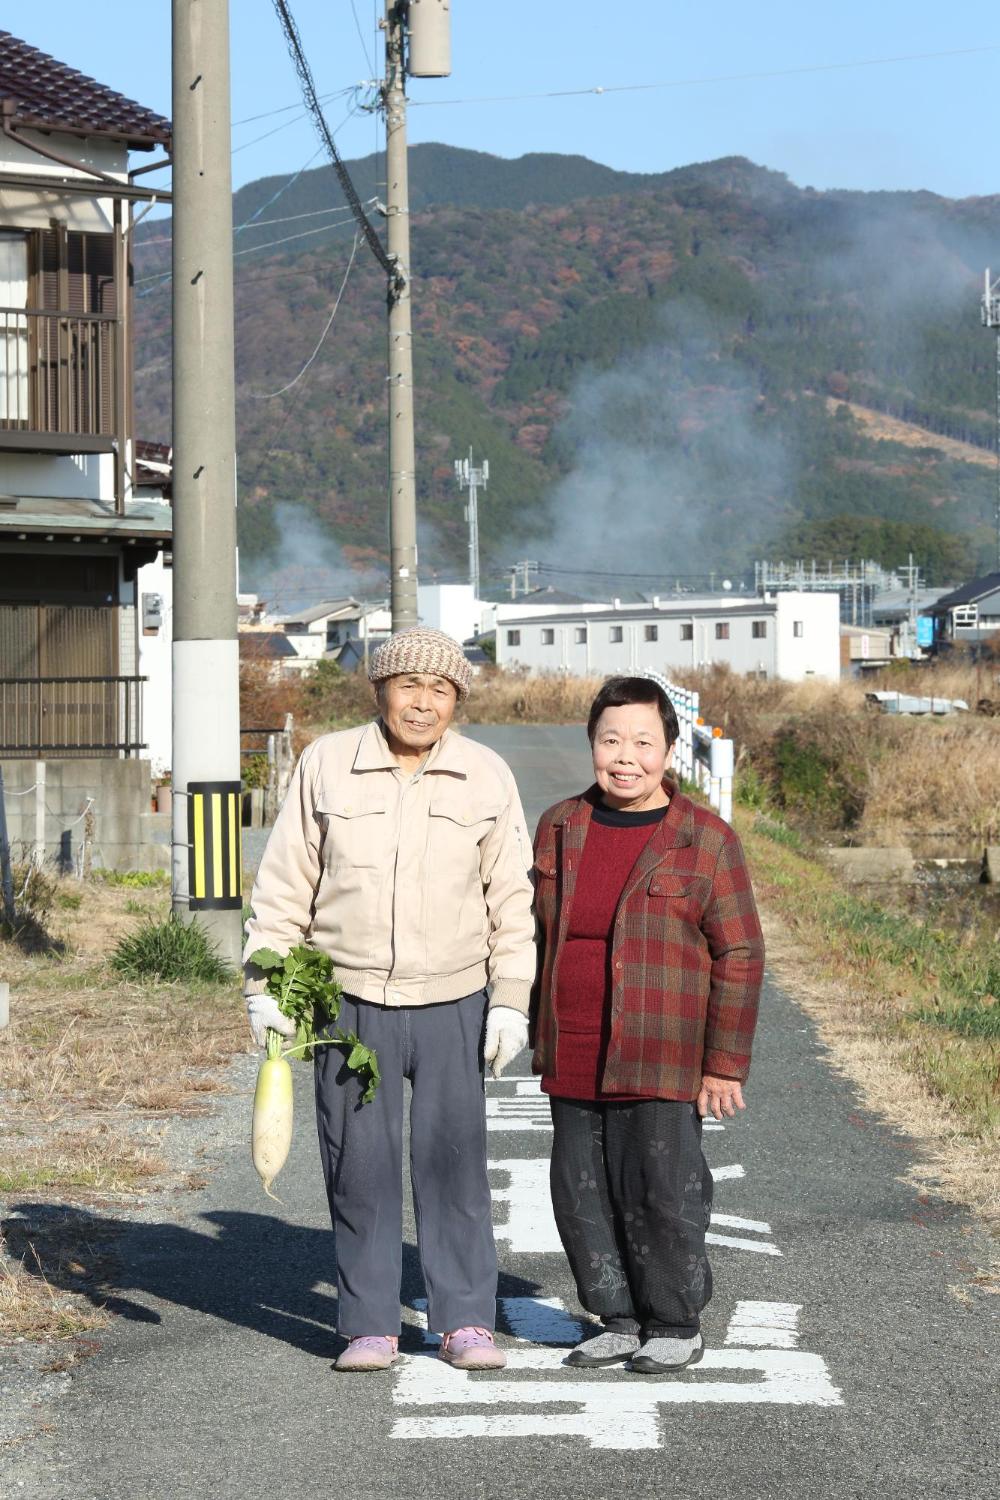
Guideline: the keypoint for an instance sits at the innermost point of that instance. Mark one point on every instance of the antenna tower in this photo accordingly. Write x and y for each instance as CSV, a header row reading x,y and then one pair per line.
x,y
469,477
991,319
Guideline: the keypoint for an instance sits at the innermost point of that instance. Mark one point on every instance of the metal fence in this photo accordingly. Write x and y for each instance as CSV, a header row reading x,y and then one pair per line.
x,y
703,755
70,715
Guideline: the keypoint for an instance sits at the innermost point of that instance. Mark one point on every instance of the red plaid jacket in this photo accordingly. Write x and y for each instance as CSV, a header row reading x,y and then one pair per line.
x,y
687,955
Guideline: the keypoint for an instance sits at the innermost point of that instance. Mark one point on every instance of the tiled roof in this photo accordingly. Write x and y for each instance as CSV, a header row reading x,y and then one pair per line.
x,y
971,592
48,94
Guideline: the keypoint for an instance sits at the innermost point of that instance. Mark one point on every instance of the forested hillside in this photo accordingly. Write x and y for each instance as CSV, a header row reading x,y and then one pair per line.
x,y
660,369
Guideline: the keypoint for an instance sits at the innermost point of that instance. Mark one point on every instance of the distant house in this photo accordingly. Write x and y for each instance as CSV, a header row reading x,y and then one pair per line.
x,y
83,506
969,614
323,629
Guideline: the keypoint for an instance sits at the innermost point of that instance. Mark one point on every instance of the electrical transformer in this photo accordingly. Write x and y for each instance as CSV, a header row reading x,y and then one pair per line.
x,y
430,39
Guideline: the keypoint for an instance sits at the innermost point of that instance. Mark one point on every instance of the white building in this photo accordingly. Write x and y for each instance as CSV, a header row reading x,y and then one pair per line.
x,y
784,635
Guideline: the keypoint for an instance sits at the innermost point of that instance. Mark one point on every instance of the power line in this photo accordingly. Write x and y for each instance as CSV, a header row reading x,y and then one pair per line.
x,y
283,109
313,105
314,213
361,38
164,276
329,324
678,83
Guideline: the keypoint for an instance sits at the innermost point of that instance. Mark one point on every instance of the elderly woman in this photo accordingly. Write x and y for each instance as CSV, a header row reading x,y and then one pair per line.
x,y
650,967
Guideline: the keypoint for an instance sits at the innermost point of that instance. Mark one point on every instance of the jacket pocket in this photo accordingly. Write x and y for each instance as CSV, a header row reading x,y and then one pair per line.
x,y
355,832
670,886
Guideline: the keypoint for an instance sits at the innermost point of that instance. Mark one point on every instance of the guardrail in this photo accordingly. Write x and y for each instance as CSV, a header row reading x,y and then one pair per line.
x,y
703,755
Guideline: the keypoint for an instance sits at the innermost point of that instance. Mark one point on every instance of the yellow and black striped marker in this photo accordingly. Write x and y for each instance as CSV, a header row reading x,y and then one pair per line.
x,y
215,855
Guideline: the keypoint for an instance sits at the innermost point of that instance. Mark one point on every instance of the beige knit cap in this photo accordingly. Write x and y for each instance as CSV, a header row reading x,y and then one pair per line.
x,y
421,649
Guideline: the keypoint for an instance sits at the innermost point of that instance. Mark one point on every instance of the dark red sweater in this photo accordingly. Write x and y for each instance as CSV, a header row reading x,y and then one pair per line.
x,y
583,985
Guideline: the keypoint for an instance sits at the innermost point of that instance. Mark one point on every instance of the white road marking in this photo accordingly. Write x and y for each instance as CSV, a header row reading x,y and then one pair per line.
x,y
528,1108
541,1320
613,1410
530,1226
770,1325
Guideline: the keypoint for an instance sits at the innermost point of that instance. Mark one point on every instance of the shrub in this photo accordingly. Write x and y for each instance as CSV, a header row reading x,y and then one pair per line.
x,y
35,894
255,770
133,880
170,950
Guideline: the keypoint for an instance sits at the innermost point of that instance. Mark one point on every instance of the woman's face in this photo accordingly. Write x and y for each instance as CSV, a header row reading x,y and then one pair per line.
x,y
631,756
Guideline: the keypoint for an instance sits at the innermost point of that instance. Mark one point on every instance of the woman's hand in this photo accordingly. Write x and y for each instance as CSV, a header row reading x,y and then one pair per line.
x,y
720,1096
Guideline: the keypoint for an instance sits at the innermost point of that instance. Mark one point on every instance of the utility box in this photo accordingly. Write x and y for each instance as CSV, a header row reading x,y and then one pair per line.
x,y
430,39
152,613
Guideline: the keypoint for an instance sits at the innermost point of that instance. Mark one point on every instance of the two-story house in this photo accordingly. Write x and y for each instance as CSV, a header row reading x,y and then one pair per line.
x,y
82,506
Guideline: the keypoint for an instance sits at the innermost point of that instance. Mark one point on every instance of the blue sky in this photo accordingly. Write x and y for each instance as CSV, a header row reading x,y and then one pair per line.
x,y
915,124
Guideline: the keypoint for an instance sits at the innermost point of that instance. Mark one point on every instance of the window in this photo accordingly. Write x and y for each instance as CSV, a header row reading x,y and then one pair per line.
x,y
548,636
580,635
513,637
798,629
965,616
615,634
687,632
652,632
722,630
759,630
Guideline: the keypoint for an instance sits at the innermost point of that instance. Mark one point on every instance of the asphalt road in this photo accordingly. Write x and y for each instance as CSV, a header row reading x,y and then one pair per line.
x,y
850,1351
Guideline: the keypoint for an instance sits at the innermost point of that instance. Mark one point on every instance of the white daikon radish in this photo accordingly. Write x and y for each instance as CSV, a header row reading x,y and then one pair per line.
x,y
271,1136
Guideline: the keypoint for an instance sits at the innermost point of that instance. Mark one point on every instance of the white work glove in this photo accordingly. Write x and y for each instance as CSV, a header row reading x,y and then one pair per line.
x,y
262,1011
506,1036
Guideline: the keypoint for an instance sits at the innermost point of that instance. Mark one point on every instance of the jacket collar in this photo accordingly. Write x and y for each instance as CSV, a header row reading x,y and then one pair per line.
x,y
675,831
373,753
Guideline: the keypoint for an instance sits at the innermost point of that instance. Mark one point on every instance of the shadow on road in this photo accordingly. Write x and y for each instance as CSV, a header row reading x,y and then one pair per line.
x,y
252,1270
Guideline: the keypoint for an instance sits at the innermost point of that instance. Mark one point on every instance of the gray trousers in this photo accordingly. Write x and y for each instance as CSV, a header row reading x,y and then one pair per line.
x,y
632,1196
439,1048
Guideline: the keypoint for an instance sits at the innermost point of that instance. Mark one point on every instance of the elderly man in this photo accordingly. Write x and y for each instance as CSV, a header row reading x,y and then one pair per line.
x,y
401,850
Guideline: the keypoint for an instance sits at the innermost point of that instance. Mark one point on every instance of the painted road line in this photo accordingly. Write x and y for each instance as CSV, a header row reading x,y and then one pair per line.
x,y
771,1325
528,1108
541,1320
530,1226
614,1411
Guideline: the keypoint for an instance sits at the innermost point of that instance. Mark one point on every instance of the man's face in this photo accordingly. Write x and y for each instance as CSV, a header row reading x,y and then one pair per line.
x,y
416,708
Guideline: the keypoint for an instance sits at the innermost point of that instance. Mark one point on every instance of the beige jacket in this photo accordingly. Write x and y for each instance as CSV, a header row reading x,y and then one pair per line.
x,y
417,887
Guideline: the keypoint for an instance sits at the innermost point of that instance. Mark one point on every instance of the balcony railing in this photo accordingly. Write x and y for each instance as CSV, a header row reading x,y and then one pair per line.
x,y
57,374
70,716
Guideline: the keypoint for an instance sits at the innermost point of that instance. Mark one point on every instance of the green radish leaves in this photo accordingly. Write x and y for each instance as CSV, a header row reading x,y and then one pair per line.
x,y
302,982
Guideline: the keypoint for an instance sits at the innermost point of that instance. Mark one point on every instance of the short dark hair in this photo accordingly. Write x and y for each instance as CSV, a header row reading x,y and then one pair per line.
x,y
618,692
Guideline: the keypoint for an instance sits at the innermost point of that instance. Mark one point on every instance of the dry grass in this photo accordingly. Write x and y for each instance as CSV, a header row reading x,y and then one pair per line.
x,y
86,1065
833,764
937,1085
31,1309
500,697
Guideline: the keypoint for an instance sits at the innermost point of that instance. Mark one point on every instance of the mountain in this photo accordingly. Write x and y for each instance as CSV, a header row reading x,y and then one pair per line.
x,y
669,373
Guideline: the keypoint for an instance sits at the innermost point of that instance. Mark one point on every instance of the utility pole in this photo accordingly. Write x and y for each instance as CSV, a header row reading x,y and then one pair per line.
x,y
206,862
991,319
468,477
402,452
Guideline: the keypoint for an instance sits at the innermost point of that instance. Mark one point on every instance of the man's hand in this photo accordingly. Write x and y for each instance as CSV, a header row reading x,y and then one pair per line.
x,y
719,1096
506,1035
262,1012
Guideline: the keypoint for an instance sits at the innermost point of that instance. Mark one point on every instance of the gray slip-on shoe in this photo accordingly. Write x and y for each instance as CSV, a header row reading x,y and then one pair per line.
x,y
608,1348
665,1356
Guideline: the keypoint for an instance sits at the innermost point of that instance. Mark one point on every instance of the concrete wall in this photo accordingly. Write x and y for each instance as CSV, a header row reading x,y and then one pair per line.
x,y
127,834
155,663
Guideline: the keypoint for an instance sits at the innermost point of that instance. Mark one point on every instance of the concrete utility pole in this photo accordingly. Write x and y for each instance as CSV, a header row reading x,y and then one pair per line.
x,y
470,478
206,864
402,453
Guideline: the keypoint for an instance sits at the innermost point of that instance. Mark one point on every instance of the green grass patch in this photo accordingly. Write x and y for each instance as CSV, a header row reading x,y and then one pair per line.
x,y
777,832
170,950
134,880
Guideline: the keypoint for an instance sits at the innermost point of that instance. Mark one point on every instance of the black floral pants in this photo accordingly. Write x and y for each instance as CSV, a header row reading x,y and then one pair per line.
x,y
632,1195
